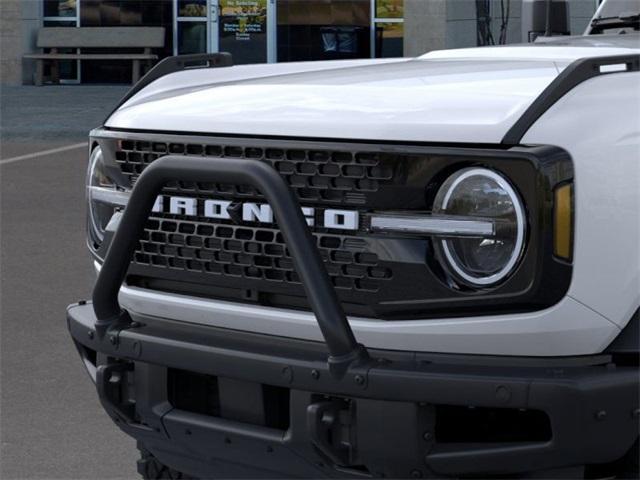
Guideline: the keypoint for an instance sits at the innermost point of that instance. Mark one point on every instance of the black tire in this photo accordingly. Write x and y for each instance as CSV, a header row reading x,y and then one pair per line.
x,y
151,469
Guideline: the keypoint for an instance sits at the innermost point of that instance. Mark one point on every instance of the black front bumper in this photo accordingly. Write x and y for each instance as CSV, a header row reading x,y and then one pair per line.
x,y
389,417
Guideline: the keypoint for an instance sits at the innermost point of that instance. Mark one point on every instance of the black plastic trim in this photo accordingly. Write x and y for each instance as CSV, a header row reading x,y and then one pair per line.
x,y
599,25
114,132
590,402
573,75
628,341
176,64
341,344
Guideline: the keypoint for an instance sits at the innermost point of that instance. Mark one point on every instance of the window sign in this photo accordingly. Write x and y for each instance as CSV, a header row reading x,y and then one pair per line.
x,y
389,8
243,30
192,8
243,18
60,8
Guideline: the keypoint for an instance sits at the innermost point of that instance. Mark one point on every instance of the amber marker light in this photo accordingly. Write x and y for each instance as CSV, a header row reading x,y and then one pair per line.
x,y
563,222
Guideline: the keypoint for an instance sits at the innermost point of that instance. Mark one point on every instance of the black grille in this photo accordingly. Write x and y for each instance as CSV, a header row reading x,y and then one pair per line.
x,y
220,248
254,253
314,175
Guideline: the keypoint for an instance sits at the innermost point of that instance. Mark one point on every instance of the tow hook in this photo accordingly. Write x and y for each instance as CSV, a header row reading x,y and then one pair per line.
x,y
110,382
330,425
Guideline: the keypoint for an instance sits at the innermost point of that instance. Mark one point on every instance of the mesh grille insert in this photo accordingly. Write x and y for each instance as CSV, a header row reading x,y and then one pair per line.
x,y
257,253
315,175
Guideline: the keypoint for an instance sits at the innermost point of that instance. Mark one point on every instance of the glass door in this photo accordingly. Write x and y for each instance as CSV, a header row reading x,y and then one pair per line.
x,y
323,30
63,13
244,28
190,31
387,32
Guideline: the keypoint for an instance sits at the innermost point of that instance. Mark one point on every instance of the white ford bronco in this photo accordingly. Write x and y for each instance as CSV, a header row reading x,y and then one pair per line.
x,y
395,268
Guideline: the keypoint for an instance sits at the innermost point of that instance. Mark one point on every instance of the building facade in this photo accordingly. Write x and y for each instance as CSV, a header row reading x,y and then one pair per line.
x,y
256,31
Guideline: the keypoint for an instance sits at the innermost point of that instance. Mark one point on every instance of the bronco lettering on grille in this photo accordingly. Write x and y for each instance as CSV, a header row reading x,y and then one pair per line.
x,y
251,212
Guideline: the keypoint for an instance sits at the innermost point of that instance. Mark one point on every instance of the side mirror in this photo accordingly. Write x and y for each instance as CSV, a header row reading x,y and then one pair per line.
x,y
544,18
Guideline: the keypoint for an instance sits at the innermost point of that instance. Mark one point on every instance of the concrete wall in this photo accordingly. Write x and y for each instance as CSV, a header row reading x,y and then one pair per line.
x,y
462,27
437,24
19,23
581,12
425,23
10,41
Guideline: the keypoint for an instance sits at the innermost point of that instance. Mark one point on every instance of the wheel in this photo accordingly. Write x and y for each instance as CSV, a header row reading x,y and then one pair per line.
x,y
151,469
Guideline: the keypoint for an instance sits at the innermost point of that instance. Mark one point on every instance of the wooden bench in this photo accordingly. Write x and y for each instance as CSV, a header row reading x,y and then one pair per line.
x,y
55,38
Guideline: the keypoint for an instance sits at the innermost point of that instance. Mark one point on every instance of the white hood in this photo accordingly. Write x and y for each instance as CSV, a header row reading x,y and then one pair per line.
x,y
471,95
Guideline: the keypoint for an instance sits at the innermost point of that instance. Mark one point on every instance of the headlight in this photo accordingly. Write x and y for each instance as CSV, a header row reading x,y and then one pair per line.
x,y
484,260
104,195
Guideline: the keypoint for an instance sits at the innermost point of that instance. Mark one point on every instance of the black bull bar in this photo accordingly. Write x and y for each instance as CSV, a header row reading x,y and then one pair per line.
x,y
343,349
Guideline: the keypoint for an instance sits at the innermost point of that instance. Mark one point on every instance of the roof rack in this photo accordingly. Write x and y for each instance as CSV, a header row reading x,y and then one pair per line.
x,y
177,64
577,72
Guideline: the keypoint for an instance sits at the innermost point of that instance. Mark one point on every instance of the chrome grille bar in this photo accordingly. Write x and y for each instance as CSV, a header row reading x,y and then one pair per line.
x,y
439,225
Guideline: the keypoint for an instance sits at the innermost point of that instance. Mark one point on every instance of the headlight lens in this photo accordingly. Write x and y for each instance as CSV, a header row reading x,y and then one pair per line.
x,y
481,193
104,195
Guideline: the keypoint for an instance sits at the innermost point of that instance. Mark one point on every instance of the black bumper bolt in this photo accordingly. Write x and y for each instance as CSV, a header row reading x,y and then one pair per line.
x,y
287,374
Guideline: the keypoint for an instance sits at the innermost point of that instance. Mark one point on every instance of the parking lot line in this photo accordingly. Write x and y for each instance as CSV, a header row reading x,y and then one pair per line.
x,y
42,153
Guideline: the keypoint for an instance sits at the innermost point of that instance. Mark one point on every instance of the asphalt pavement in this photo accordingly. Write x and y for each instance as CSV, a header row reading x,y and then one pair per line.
x,y
51,423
